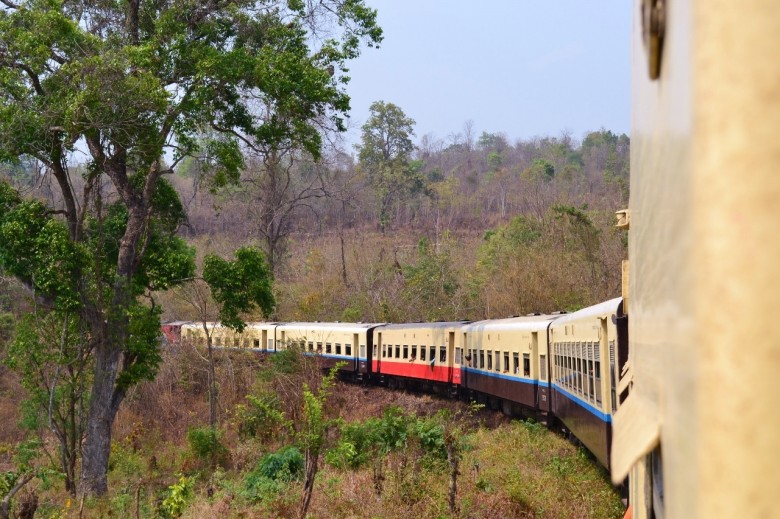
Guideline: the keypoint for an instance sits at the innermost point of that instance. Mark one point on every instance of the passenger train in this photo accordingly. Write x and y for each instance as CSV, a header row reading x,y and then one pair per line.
x,y
560,368
685,405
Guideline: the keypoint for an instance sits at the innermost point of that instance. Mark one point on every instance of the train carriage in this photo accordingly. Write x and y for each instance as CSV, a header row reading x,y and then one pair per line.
x,y
334,342
507,358
432,352
585,369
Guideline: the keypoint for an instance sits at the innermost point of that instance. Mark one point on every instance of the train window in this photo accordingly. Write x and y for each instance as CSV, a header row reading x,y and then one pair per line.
x,y
490,359
384,351
506,362
516,363
270,344
406,351
348,349
422,352
397,351
338,348
328,347
443,354
526,365
236,342
543,367
458,356
319,347
414,352
311,346
481,359
257,343
218,341
432,352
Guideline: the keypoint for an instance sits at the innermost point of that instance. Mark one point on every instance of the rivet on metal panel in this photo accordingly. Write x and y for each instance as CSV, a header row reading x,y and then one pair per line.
x,y
653,29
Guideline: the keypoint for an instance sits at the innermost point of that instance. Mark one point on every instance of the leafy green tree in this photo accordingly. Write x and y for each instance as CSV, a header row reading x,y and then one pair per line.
x,y
52,353
430,284
127,83
385,156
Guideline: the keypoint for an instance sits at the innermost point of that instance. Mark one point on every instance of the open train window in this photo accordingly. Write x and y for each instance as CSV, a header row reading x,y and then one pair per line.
x,y
348,349
442,354
257,343
384,351
490,359
319,347
516,363
397,351
506,362
328,347
432,352
406,351
414,352
526,365
422,352
338,348
498,361
311,346
481,359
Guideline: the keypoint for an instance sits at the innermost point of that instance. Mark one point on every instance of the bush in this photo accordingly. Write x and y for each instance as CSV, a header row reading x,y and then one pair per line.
x,y
272,474
204,443
284,465
260,417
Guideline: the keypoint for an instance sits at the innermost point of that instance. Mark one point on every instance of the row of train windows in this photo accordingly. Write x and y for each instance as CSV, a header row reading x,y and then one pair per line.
x,y
405,352
578,369
476,359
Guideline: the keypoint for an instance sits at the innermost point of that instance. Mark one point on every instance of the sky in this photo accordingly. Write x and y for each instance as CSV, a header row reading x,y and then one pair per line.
x,y
524,68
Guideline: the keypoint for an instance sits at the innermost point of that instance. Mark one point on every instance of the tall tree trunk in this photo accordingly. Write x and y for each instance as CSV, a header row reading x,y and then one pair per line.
x,y
102,411
308,484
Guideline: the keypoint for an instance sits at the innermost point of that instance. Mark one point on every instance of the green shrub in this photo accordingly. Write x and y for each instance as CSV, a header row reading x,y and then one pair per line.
x,y
260,417
284,465
178,497
204,443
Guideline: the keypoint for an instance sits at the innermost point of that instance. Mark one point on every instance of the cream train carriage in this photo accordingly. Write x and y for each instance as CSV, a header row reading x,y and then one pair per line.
x,y
699,433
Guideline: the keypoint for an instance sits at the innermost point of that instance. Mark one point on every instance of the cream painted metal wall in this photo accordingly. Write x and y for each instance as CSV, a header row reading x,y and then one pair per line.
x,y
704,252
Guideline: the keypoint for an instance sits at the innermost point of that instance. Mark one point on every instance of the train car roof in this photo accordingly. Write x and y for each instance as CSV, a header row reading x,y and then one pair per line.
x,y
527,322
360,327
607,307
436,324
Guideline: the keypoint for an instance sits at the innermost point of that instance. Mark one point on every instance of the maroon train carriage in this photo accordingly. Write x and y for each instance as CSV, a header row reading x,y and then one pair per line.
x,y
171,331
584,347
506,363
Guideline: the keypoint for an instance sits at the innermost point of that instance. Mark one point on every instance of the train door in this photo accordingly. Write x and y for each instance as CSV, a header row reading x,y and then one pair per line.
x,y
450,355
378,352
540,372
606,398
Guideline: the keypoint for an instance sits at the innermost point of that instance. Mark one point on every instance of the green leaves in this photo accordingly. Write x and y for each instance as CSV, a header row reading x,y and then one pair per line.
x,y
239,286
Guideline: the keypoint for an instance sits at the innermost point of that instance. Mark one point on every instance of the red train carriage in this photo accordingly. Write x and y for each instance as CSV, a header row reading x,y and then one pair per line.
x,y
429,352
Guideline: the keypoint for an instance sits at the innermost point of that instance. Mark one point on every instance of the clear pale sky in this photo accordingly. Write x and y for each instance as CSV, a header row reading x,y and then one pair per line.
x,y
521,67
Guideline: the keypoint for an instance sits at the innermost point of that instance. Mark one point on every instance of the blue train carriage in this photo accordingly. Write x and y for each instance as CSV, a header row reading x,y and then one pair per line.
x,y
585,368
428,355
507,359
333,342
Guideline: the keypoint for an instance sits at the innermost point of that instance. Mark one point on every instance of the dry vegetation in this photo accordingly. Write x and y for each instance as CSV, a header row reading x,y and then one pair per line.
x,y
508,468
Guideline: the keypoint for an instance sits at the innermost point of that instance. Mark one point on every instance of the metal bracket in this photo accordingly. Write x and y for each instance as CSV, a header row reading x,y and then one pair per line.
x,y
653,29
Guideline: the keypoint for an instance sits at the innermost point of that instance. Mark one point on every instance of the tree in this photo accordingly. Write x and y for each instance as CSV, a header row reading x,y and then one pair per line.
x,y
385,157
128,83
51,352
